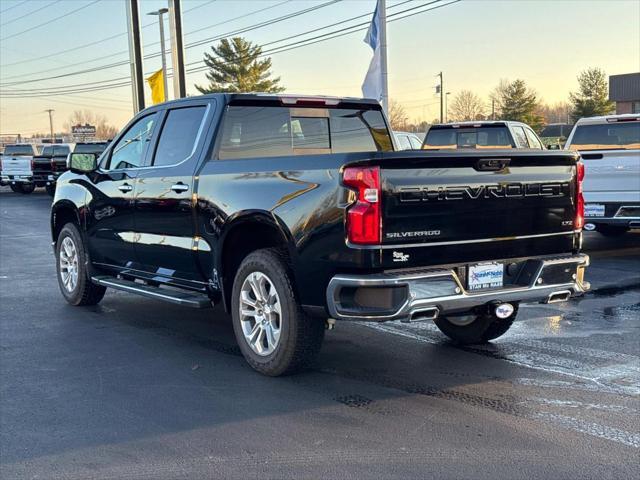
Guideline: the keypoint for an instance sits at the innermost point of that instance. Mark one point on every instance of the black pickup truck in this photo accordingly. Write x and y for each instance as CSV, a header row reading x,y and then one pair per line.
x,y
296,212
53,158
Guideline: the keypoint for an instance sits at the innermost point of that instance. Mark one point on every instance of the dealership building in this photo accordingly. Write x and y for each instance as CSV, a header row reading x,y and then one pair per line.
x,y
625,91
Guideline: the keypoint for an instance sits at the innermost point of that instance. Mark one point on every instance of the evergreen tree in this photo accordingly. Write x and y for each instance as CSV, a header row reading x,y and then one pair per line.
x,y
235,67
519,103
592,97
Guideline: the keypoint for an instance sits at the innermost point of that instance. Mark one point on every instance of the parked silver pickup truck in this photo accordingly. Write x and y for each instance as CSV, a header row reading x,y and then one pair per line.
x,y
17,167
610,149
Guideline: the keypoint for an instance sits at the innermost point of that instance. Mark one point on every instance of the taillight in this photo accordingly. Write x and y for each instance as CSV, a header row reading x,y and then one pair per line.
x,y
578,222
363,217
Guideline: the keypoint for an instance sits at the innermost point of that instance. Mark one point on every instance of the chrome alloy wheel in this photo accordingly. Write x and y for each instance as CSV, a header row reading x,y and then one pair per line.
x,y
68,264
260,313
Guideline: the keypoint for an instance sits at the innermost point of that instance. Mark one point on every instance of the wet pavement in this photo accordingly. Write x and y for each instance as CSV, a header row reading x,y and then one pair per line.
x,y
133,388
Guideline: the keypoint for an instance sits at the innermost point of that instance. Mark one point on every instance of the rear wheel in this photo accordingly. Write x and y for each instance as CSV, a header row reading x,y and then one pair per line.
x,y
15,188
27,188
51,189
274,334
73,279
472,329
612,230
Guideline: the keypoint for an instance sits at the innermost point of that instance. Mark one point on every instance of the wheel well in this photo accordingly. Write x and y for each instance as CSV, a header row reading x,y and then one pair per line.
x,y
240,242
61,217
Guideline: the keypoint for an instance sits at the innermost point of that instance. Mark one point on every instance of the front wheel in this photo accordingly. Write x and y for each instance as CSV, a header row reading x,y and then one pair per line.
x,y
473,329
73,280
15,188
275,335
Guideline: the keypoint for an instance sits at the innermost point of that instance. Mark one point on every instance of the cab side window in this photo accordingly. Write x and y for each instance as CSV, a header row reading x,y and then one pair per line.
x,y
520,137
533,140
178,136
130,150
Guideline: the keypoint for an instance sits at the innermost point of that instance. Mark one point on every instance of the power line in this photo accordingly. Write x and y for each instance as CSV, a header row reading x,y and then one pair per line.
x,y
49,21
79,47
22,81
14,6
283,48
30,13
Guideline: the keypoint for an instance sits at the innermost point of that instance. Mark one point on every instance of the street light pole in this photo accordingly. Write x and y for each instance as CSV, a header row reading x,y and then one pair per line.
x,y
160,14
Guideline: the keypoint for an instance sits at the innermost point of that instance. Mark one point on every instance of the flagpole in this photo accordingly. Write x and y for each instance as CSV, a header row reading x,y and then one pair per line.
x,y
382,11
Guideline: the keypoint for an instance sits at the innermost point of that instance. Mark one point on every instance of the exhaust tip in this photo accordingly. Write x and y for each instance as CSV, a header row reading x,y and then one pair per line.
x,y
557,297
504,310
425,314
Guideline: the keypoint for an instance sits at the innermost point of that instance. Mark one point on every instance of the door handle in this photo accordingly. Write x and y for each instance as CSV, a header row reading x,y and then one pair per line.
x,y
179,187
125,187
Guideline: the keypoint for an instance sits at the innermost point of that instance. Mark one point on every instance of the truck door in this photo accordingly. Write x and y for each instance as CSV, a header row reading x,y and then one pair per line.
x,y
166,241
110,229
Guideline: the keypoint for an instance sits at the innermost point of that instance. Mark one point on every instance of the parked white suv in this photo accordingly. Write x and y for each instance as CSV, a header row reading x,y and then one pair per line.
x,y
610,149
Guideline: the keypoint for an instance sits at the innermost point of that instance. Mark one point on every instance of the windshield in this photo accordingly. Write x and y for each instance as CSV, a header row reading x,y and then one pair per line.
x,y
479,137
96,148
609,136
18,150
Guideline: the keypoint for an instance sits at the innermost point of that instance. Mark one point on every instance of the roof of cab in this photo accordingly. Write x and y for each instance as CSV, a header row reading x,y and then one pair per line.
x,y
609,119
285,99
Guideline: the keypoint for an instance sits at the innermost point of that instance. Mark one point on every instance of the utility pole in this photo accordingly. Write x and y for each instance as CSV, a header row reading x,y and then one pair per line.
x,y
441,98
135,55
177,49
446,107
382,11
50,111
493,109
160,14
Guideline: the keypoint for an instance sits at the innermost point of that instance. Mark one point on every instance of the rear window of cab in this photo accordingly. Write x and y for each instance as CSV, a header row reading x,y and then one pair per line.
x,y
270,131
608,136
477,137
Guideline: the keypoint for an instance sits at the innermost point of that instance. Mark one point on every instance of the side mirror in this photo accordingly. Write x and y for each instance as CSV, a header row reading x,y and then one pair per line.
x,y
83,162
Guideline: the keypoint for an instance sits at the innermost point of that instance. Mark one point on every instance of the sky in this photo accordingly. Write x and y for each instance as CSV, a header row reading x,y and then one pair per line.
x,y
475,43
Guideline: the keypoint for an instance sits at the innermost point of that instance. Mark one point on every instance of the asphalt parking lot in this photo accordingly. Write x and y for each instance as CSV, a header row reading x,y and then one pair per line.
x,y
134,388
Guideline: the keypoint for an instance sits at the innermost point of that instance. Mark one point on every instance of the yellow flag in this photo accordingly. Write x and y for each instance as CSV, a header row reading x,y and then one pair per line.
x,y
157,87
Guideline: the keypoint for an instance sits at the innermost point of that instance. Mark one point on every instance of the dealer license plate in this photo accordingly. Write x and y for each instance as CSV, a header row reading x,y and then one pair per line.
x,y
485,275
594,210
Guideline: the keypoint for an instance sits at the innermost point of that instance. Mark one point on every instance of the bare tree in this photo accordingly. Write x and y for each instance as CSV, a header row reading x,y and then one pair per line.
x,y
466,106
398,117
559,112
104,131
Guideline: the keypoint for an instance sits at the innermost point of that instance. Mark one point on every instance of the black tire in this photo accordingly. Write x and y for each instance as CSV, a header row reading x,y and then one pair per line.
x,y
85,292
611,230
51,189
15,188
482,329
300,334
27,188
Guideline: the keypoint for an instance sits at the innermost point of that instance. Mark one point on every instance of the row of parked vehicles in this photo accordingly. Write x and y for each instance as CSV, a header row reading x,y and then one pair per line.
x,y
23,168
609,147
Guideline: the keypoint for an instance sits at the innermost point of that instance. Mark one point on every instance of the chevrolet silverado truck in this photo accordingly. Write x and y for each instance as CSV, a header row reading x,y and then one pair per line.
x,y
295,214
17,167
610,149
52,159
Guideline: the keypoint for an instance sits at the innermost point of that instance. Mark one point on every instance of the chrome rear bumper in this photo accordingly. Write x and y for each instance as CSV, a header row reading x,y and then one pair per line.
x,y
430,293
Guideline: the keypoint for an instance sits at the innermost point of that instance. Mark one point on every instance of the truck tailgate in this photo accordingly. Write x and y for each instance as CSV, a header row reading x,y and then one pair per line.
x,y
16,165
457,197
